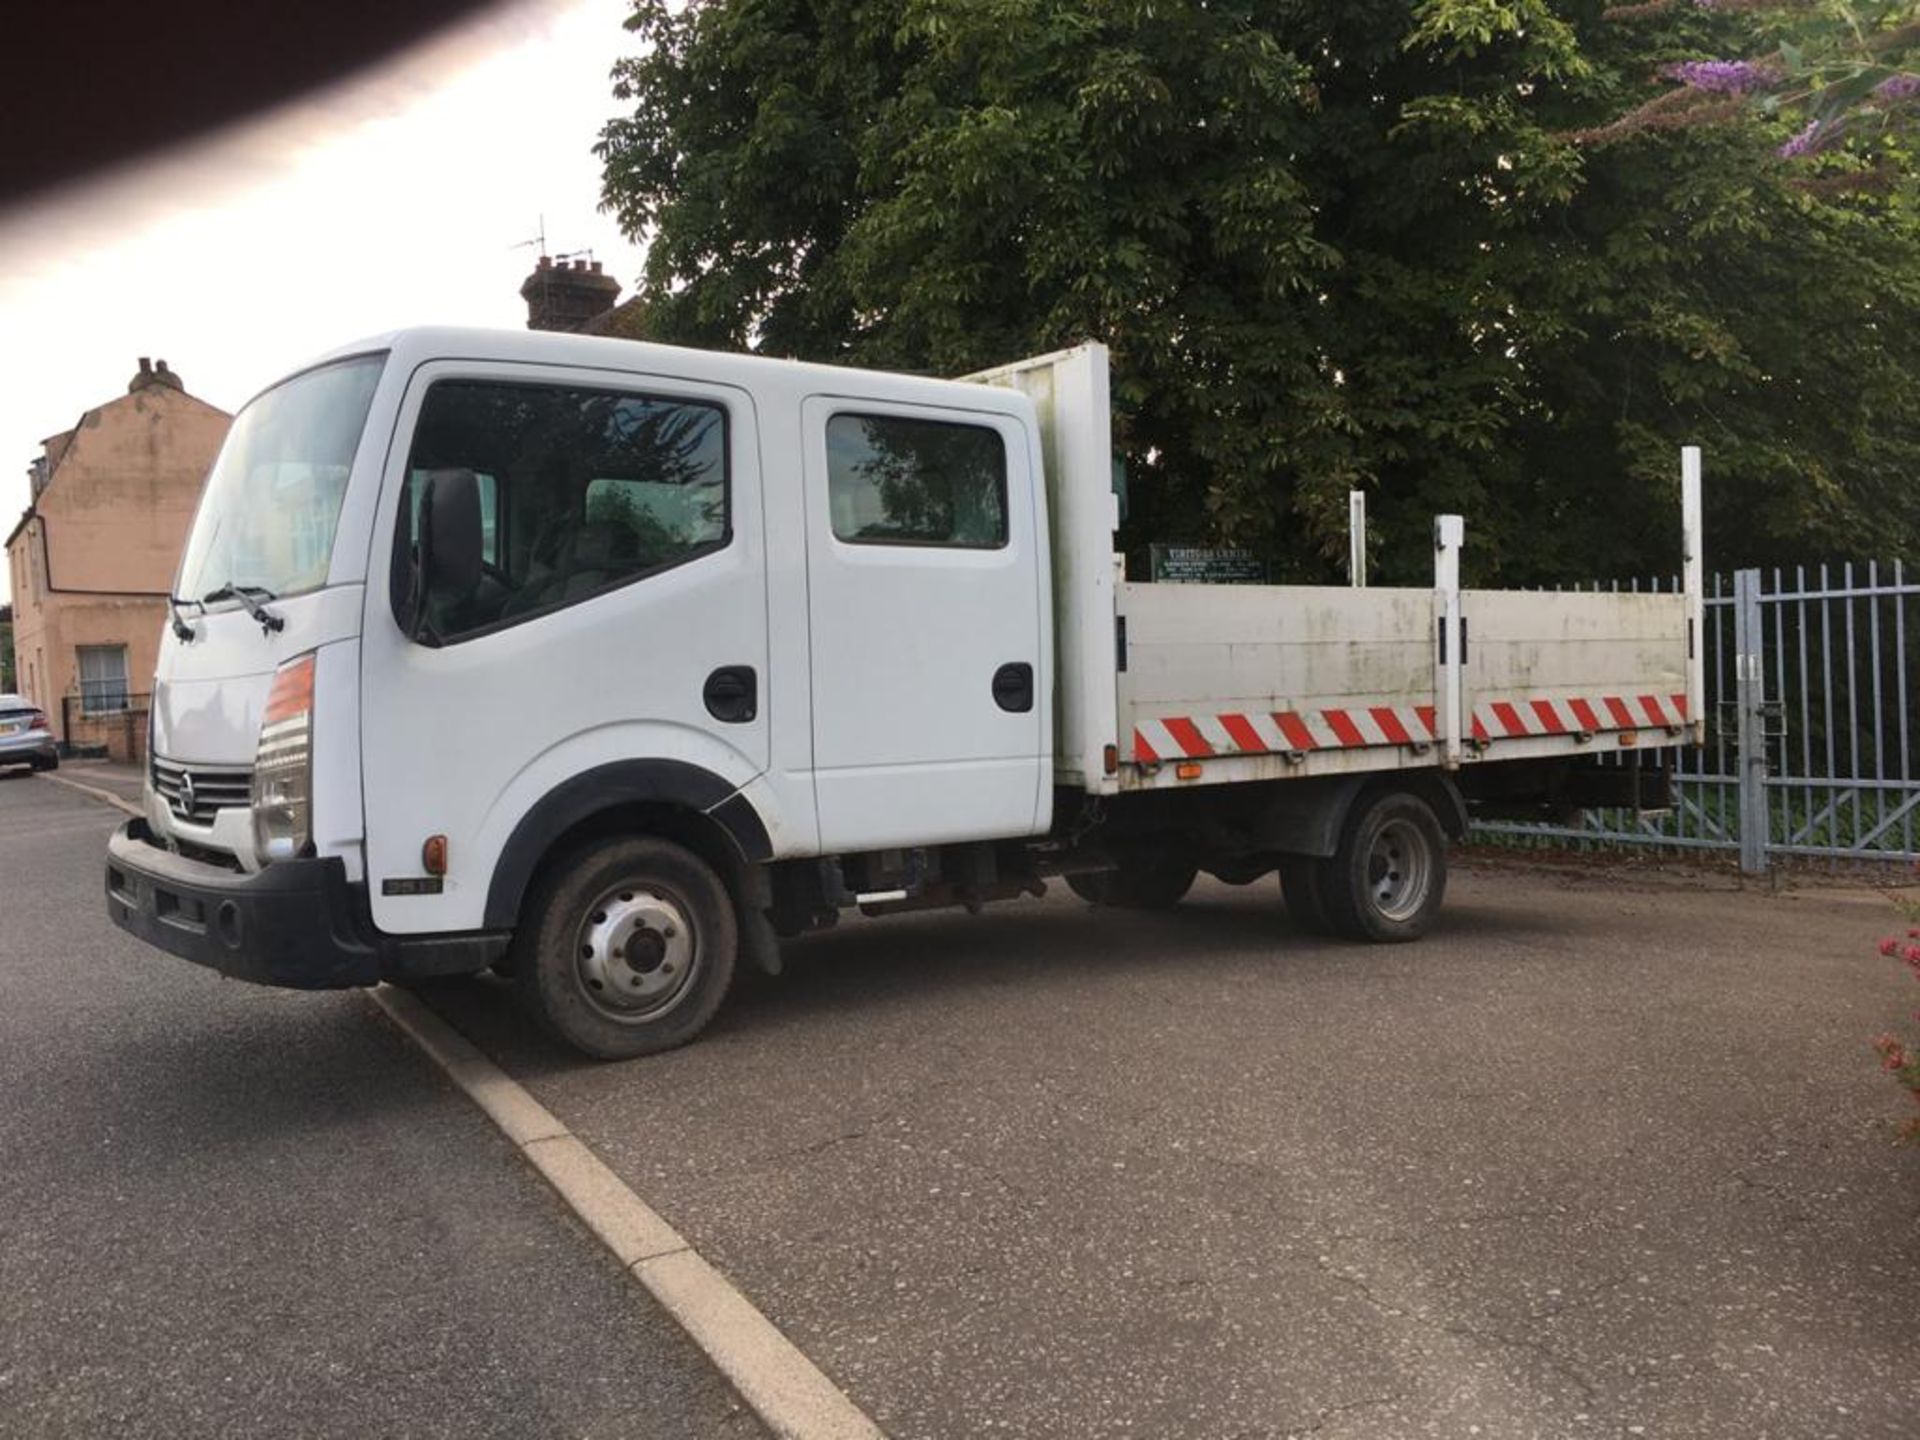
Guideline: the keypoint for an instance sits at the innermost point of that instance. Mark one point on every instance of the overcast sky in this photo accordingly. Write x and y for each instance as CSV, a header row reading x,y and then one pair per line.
x,y
396,199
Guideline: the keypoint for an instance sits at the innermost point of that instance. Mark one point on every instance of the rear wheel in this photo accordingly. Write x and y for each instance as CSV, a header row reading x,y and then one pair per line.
x,y
1157,884
629,950
1389,874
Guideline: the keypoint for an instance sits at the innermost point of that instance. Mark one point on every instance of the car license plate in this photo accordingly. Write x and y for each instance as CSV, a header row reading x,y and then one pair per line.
x,y
12,727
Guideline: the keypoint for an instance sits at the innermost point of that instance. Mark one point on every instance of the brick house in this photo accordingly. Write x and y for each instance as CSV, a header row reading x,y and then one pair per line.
x,y
91,560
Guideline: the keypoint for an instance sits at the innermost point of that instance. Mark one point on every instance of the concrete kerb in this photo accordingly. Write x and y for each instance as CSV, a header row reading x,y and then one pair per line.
x,y
107,796
789,1393
792,1396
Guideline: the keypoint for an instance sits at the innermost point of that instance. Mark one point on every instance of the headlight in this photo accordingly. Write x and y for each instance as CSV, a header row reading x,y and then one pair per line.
x,y
282,766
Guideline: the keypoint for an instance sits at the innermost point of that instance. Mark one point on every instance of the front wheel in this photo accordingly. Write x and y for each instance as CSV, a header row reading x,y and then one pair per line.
x,y
629,949
1386,880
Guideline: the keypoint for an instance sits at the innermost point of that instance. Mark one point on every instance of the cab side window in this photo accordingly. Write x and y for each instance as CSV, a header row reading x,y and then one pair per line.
x,y
581,491
892,480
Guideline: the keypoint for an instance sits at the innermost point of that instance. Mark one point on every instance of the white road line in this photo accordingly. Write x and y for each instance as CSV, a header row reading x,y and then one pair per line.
x,y
781,1385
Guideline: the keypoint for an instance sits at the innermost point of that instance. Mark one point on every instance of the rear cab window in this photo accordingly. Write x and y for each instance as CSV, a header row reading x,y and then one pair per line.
x,y
900,480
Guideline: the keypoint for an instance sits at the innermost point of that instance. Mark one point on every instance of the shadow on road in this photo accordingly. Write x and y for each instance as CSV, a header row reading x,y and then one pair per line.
x,y
1057,949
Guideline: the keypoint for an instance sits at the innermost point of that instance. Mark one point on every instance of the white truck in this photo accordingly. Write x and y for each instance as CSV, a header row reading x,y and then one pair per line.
x,y
607,664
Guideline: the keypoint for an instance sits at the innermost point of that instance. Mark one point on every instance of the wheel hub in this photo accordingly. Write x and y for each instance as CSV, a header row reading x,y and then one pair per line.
x,y
635,952
1399,869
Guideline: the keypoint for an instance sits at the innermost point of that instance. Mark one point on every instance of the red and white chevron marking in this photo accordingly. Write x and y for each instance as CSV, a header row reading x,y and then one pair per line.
x,y
1196,737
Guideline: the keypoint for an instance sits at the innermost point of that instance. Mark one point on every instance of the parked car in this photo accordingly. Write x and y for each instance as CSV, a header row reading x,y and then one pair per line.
x,y
25,737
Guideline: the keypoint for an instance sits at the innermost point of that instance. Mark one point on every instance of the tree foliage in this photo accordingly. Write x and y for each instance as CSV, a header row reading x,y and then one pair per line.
x,y
1333,244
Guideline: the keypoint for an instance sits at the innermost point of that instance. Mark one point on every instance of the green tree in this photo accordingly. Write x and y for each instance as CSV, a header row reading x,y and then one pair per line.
x,y
1333,243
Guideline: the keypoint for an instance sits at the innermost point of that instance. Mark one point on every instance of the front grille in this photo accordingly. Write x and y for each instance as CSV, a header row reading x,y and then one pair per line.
x,y
212,788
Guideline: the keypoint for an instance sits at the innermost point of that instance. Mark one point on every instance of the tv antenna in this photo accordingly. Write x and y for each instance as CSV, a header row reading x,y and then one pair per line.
x,y
539,239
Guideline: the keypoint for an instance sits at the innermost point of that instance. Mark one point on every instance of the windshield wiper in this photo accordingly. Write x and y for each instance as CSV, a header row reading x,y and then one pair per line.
x,y
269,622
181,630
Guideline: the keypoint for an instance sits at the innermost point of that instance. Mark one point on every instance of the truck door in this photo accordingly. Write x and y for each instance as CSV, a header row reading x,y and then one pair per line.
x,y
931,687
620,618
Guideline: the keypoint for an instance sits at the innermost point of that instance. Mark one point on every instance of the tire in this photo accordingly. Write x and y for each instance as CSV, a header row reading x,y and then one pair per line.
x,y
1300,881
52,762
628,949
1158,884
1386,880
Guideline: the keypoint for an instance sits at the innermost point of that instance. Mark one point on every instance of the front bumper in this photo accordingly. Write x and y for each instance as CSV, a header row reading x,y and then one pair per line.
x,y
299,924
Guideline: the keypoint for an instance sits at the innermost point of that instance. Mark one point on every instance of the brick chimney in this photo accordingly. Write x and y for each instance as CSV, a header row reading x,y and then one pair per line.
x,y
566,294
154,372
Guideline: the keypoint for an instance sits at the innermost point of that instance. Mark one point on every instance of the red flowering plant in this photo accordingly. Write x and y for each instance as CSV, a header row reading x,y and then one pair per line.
x,y
1901,1061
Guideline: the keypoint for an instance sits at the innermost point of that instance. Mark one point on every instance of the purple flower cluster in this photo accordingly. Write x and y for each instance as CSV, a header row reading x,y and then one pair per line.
x,y
1801,144
1723,77
1898,88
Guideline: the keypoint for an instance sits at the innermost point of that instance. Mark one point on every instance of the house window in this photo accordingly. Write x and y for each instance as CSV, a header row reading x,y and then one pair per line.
x,y
103,679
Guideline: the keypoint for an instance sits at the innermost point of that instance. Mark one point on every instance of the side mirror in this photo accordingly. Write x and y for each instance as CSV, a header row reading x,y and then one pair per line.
x,y
448,564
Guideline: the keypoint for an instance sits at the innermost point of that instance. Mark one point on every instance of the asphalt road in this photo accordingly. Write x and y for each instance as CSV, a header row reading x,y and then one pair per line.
x,y
233,1211
1604,1156
1600,1157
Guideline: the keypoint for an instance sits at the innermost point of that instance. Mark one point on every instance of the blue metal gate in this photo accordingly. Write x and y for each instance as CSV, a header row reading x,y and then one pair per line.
x,y
1810,722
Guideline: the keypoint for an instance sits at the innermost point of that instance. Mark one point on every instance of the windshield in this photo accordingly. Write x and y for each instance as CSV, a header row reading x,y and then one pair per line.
x,y
268,514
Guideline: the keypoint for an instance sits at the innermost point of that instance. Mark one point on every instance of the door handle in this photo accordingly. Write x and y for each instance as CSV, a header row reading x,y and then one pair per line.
x,y
732,694
1013,687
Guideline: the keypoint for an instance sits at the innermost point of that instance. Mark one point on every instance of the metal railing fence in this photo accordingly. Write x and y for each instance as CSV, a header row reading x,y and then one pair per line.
x,y
1810,712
